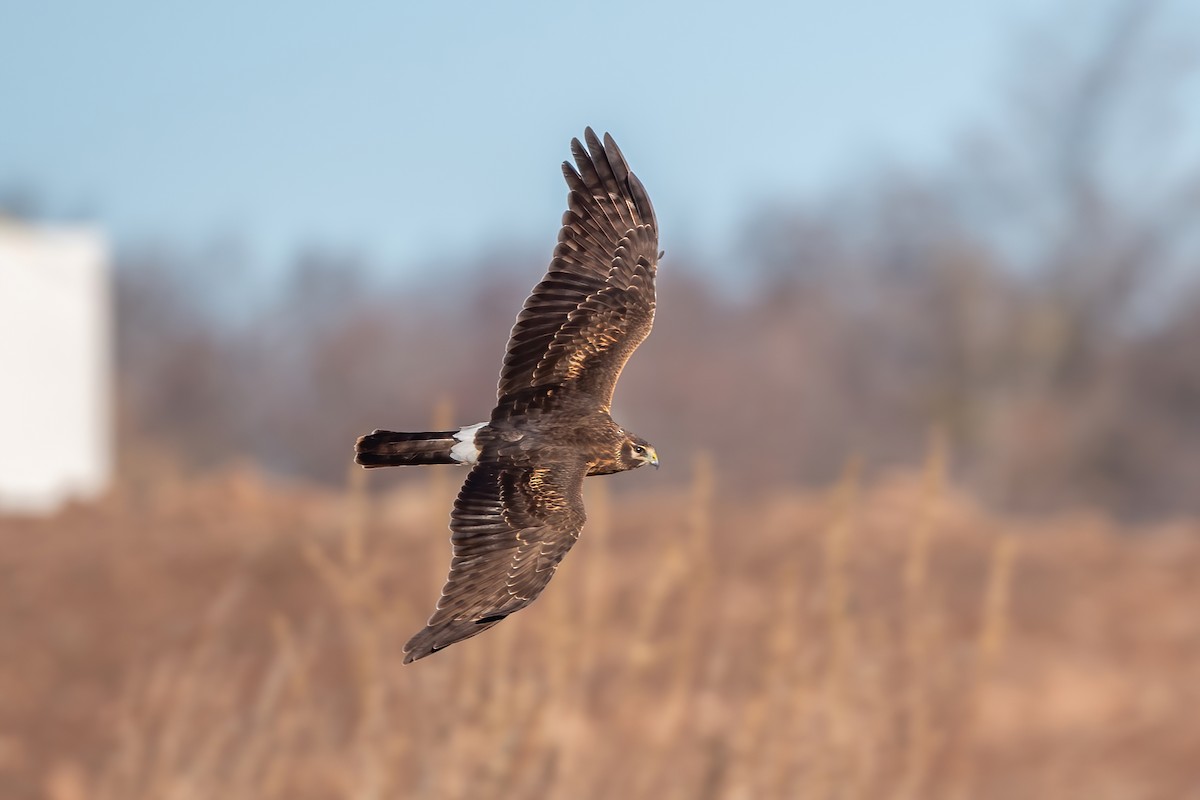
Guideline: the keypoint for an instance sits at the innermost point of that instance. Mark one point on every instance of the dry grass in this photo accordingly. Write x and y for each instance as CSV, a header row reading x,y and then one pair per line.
x,y
228,638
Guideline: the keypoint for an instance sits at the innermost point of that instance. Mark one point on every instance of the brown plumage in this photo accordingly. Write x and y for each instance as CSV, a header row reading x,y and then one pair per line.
x,y
521,507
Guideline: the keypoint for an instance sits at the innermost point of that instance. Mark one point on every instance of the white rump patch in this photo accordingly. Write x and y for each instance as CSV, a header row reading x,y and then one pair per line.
x,y
466,451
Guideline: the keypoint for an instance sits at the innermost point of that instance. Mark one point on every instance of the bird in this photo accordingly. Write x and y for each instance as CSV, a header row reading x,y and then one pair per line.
x,y
520,508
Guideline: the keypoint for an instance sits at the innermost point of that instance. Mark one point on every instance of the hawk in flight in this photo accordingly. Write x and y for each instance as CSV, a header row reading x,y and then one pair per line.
x,y
521,507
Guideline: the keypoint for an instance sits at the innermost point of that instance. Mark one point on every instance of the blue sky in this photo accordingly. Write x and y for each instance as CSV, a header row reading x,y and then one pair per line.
x,y
434,131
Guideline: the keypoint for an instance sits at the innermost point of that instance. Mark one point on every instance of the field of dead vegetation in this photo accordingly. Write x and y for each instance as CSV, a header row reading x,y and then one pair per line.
x,y
231,637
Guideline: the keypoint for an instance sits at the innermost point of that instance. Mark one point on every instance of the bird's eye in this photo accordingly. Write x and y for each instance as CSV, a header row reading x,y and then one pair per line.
x,y
641,451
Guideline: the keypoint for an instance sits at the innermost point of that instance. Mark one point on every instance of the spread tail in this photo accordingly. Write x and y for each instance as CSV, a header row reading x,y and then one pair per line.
x,y
394,449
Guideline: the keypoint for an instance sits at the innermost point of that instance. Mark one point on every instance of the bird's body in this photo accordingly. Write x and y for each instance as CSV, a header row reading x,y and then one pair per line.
x,y
521,507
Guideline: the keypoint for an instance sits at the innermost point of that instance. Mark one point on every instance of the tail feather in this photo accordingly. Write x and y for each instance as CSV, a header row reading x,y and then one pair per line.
x,y
394,449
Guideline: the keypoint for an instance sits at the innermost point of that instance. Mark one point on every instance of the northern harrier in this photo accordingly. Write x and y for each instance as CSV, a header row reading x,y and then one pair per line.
x,y
521,507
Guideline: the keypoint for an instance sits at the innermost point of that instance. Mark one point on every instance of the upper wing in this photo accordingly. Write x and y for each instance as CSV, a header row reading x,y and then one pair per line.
x,y
591,348
608,209
512,523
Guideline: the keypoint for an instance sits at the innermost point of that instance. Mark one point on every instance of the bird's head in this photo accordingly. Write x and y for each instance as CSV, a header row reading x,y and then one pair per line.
x,y
637,452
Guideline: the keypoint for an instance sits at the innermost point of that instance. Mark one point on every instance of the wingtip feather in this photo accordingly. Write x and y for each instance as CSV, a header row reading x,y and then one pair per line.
x,y
593,143
437,637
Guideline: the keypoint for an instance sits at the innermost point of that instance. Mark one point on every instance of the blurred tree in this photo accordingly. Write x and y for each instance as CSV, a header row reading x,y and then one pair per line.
x,y
1036,298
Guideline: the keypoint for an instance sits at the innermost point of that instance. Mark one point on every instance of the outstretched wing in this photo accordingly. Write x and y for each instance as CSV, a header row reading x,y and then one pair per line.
x,y
601,278
592,347
512,524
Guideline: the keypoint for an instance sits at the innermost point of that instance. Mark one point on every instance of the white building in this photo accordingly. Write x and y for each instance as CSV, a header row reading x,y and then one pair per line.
x,y
55,366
